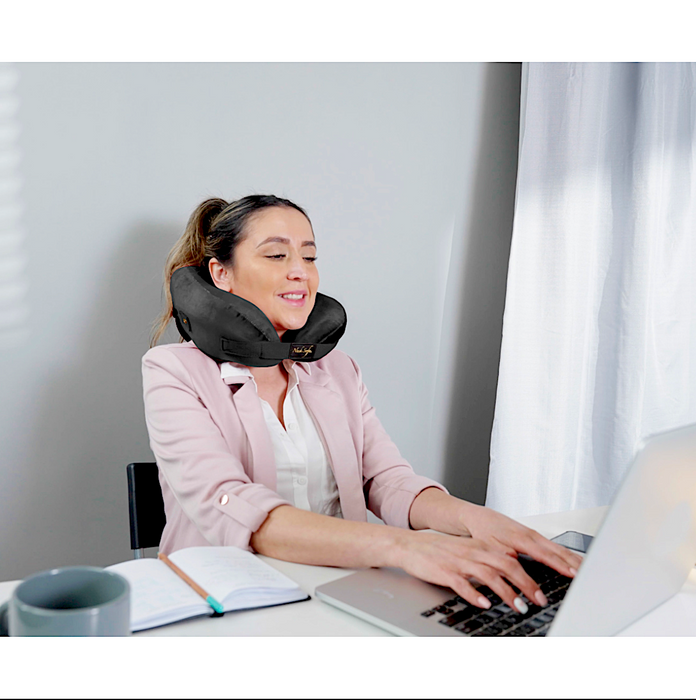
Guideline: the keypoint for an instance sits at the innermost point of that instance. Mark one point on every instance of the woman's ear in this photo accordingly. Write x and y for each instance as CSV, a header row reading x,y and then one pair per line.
x,y
221,277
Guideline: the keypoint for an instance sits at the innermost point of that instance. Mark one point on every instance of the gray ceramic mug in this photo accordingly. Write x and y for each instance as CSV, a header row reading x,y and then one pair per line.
x,y
76,601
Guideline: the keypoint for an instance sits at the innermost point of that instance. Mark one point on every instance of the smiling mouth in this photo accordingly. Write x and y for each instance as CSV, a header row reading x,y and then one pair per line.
x,y
294,299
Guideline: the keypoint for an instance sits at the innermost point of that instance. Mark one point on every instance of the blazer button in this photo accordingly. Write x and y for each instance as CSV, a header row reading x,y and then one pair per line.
x,y
224,499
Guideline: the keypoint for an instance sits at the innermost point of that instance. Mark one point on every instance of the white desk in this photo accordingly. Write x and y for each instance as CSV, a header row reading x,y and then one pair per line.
x,y
676,617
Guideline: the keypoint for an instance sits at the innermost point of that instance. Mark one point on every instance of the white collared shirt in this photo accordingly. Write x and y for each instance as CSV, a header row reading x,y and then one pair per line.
x,y
304,475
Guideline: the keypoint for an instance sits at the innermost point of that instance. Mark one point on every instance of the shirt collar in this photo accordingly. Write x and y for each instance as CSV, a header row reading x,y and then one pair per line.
x,y
230,370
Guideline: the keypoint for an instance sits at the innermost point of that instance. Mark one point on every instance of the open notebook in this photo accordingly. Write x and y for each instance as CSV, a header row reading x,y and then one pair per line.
x,y
236,578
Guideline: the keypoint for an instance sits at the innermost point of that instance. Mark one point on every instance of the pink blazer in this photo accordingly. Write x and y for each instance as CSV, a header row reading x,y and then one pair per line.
x,y
215,456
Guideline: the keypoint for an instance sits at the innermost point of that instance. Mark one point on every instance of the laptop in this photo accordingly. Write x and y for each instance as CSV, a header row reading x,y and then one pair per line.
x,y
641,557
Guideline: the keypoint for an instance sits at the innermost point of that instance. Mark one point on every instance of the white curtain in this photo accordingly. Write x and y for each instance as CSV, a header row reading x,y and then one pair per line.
x,y
599,331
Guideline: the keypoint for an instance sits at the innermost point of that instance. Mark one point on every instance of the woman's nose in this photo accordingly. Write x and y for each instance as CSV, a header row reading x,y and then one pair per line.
x,y
296,270
297,273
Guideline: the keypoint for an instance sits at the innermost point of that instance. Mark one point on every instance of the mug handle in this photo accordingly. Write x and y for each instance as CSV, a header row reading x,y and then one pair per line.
x,y
4,623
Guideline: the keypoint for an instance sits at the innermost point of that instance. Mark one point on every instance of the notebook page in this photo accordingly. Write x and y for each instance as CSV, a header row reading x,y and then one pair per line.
x,y
157,593
222,570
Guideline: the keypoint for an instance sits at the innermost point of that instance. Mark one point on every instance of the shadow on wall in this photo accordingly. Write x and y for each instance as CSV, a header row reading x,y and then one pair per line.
x,y
102,389
482,292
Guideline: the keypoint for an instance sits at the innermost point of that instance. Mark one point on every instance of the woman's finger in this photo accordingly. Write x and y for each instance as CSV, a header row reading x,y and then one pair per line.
x,y
512,570
490,569
484,564
571,559
557,557
508,595
465,590
488,564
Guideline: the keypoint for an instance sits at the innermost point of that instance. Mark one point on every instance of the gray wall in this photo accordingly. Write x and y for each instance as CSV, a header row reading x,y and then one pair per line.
x,y
476,293
407,171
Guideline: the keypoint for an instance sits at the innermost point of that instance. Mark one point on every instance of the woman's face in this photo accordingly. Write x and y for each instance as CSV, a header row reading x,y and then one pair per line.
x,y
275,259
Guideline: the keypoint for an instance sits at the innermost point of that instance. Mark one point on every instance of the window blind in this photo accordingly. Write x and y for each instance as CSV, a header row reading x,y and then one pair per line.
x,y
14,310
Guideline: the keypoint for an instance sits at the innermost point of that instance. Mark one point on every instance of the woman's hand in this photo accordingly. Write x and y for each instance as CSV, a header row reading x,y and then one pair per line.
x,y
451,561
493,533
512,538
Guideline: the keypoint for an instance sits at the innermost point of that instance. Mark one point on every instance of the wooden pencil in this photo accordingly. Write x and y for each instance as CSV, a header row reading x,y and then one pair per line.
x,y
214,604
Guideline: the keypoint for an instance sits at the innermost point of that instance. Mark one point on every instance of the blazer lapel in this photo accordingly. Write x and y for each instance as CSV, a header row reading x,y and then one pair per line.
x,y
248,405
329,413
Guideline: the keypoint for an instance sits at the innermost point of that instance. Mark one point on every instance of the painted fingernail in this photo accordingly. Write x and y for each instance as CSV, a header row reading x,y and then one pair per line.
x,y
573,571
520,605
484,602
540,598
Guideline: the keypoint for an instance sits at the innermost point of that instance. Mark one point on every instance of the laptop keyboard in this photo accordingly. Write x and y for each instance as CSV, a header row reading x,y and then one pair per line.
x,y
500,620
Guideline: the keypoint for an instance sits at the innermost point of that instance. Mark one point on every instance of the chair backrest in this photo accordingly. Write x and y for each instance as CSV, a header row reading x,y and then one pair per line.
x,y
145,506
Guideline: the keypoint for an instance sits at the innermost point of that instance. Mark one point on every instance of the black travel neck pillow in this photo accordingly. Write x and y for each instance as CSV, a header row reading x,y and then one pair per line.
x,y
228,328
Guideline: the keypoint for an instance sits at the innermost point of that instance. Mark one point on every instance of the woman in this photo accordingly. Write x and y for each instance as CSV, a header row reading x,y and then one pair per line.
x,y
283,460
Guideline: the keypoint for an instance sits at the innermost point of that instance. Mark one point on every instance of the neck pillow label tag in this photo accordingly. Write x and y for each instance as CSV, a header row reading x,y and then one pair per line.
x,y
228,328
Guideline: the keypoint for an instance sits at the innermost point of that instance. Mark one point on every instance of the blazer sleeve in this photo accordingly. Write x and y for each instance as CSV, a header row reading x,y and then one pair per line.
x,y
389,482
207,480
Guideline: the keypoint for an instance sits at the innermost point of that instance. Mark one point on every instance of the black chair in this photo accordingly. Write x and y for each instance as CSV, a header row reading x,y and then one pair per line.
x,y
145,507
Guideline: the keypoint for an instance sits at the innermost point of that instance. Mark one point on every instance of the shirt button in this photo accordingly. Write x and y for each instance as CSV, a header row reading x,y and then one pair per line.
x,y
301,480
224,499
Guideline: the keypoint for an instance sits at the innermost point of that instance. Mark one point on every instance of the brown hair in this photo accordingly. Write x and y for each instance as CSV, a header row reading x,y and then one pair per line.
x,y
214,230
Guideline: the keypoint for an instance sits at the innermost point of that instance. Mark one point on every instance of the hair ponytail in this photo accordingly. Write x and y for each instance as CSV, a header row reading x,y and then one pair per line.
x,y
189,250
214,230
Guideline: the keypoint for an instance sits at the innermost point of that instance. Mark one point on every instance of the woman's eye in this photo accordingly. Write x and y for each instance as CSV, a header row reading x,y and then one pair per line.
x,y
282,255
